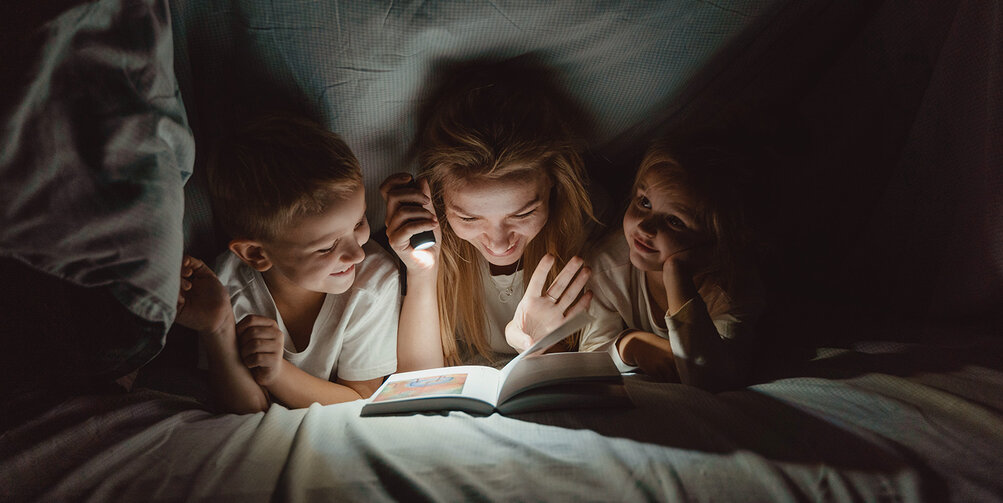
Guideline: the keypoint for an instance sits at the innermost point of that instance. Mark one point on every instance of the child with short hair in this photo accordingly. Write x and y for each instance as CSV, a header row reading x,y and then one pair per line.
x,y
674,293
315,304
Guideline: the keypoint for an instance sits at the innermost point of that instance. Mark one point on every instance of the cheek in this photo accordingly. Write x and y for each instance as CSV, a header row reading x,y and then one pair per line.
x,y
362,234
630,219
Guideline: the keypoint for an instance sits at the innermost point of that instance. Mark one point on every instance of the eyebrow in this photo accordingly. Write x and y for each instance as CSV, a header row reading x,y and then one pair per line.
x,y
327,239
523,209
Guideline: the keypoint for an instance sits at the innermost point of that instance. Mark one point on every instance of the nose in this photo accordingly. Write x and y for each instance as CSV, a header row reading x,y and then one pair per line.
x,y
497,237
648,226
353,253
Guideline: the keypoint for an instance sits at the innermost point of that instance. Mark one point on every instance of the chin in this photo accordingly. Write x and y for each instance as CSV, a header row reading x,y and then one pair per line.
x,y
503,261
339,285
643,265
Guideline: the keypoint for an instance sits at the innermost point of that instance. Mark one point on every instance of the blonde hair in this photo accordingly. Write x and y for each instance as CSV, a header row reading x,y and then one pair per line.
x,y
711,174
496,131
275,169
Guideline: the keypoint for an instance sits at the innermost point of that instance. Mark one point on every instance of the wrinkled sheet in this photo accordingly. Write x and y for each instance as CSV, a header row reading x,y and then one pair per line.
x,y
928,428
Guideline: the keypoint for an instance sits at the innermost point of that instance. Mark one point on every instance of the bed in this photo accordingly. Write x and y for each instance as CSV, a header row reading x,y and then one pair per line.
x,y
879,375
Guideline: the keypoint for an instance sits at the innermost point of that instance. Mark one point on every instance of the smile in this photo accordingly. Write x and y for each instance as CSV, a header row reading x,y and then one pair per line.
x,y
344,272
643,247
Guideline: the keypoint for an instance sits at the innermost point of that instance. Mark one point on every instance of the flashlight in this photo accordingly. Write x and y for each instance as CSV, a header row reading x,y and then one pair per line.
x,y
424,239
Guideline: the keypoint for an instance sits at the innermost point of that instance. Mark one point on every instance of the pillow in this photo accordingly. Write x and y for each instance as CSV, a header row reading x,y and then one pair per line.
x,y
94,152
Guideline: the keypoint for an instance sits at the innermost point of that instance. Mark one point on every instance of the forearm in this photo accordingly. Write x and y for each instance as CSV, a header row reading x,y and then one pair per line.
x,y
232,383
679,287
419,344
296,389
703,357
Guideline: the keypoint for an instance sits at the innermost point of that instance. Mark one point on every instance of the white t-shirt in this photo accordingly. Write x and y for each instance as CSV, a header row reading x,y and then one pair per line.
x,y
696,332
355,334
502,294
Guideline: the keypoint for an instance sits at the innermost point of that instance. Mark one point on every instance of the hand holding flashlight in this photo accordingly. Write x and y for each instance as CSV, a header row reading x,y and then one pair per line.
x,y
412,227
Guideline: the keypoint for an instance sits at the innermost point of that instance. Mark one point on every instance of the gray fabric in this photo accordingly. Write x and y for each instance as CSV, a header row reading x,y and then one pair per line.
x,y
94,151
883,422
364,69
876,123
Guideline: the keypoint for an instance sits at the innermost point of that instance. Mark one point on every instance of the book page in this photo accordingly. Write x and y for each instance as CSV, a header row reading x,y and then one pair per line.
x,y
559,334
550,368
477,382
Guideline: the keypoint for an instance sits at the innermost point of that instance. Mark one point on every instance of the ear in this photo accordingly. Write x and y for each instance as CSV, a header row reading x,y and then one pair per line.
x,y
252,253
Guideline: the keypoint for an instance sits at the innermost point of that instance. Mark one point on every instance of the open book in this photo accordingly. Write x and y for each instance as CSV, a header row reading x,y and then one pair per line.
x,y
533,380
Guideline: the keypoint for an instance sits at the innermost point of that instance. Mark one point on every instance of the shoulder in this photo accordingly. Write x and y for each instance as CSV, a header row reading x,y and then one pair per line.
x,y
377,273
233,273
744,299
609,254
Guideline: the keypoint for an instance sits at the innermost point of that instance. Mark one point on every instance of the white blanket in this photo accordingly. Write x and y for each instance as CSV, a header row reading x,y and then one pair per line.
x,y
931,429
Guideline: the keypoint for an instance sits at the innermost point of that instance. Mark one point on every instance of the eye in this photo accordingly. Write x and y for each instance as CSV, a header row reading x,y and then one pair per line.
x,y
524,215
329,250
360,224
675,222
467,219
643,202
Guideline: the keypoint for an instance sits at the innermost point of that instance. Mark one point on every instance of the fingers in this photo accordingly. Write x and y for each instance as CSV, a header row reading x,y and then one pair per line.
x,y
260,341
253,320
564,278
576,287
394,181
580,306
539,277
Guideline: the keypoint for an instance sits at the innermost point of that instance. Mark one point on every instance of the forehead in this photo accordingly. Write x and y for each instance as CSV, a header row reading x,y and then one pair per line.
x,y
338,218
480,196
663,191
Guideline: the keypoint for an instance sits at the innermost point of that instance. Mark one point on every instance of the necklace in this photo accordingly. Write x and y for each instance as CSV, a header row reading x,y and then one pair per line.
x,y
506,293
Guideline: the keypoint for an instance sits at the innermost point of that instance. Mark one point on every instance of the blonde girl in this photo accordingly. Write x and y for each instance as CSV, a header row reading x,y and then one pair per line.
x,y
675,295
502,186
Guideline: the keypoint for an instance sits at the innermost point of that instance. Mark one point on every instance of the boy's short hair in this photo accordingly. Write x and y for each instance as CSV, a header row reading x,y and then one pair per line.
x,y
274,169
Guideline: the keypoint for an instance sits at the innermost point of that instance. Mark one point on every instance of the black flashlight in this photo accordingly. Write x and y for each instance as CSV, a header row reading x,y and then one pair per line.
x,y
424,239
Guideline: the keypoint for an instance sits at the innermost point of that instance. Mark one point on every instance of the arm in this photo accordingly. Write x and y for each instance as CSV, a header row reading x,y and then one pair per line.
x,y
695,351
541,311
297,389
261,352
410,211
203,306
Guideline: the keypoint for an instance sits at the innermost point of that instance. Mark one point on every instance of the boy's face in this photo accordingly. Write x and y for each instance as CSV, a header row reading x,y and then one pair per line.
x,y
658,223
498,217
319,252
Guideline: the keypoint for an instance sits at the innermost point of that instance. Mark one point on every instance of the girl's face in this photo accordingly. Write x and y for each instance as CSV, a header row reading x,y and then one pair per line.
x,y
498,217
659,222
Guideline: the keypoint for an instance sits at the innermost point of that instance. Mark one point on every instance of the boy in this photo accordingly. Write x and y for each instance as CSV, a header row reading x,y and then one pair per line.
x,y
315,305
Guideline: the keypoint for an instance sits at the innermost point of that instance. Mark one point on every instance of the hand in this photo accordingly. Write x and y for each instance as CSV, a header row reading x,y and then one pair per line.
x,y
260,342
541,311
410,211
650,352
692,258
203,302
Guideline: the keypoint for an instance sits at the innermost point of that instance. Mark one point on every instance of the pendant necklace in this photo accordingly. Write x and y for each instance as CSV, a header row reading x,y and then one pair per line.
x,y
506,293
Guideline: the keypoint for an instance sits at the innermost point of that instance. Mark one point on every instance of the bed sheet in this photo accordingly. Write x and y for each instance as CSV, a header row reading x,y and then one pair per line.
x,y
929,429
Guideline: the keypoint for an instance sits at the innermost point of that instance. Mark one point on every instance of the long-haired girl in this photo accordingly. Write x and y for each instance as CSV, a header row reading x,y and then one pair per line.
x,y
502,186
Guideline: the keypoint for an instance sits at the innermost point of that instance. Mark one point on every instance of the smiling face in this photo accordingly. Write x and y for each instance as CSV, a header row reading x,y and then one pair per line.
x,y
498,217
660,221
318,252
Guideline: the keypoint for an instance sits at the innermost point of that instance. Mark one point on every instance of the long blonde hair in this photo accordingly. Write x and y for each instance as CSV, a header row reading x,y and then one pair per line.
x,y
497,130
